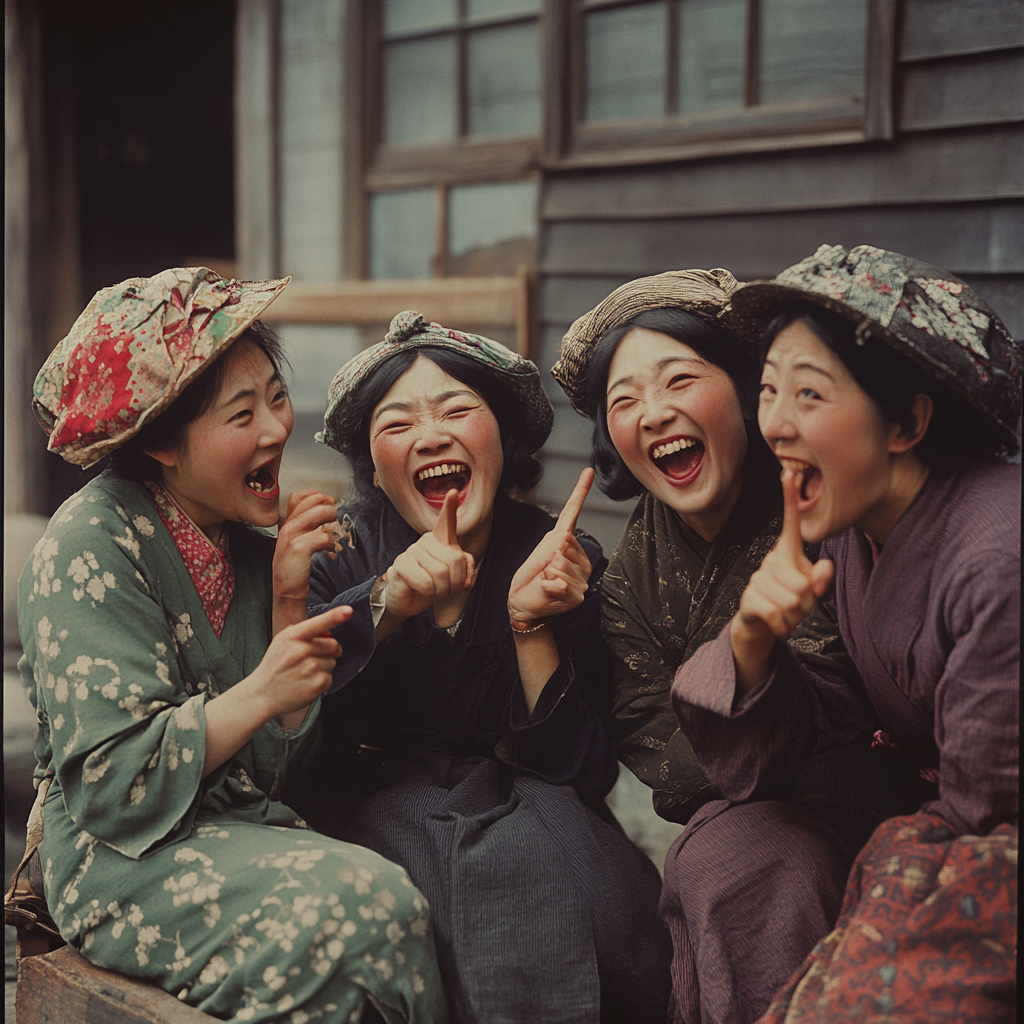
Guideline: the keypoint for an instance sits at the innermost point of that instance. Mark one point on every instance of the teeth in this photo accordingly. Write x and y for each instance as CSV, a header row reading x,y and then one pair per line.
x,y
443,470
794,465
673,446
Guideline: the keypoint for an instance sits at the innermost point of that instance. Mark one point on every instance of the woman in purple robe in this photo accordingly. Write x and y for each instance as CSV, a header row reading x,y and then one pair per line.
x,y
888,387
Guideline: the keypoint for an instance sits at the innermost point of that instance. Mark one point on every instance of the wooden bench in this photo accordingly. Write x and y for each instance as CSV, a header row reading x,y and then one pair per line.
x,y
62,987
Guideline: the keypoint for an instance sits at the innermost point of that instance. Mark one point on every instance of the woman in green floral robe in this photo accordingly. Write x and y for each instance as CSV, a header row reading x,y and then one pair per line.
x,y
166,851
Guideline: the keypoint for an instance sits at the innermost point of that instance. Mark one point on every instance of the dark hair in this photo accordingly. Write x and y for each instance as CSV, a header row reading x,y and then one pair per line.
x,y
520,471
957,432
709,339
167,431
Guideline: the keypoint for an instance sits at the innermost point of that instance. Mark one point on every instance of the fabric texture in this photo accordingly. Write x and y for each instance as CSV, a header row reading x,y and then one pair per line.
x,y
544,911
665,593
925,313
933,628
410,330
209,567
134,349
928,932
211,888
697,291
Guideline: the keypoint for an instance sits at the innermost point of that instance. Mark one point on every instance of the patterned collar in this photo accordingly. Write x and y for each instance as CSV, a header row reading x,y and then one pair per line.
x,y
208,565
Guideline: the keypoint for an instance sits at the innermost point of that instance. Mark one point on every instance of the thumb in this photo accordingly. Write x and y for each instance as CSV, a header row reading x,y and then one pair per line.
x,y
821,576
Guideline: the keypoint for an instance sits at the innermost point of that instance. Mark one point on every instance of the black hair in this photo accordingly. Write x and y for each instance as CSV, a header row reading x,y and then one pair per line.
x,y
957,432
167,431
520,471
712,341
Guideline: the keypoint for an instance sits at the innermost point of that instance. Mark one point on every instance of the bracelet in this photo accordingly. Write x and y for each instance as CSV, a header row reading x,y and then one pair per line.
x,y
529,629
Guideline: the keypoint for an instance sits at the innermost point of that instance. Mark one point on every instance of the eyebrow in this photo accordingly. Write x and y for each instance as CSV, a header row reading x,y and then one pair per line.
x,y
440,399
659,365
249,392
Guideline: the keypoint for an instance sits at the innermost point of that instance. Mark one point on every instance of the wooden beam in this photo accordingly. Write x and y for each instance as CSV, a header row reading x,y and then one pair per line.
x,y
480,301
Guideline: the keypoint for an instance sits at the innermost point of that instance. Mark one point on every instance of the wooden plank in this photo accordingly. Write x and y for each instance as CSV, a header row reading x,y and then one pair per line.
x,y
985,89
564,299
967,238
937,28
64,987
944,166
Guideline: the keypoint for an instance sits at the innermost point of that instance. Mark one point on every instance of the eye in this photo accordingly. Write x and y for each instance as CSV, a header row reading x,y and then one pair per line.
x,y
809,393
767,390
460,410
241,415
280,395
681,378
393,427
619,399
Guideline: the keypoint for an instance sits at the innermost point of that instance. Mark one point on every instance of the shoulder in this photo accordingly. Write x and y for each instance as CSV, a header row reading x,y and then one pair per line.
x,y
976,512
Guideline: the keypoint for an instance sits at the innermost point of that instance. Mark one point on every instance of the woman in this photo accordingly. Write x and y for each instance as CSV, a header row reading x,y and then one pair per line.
x,y
672,393
888,386
472,695
169,718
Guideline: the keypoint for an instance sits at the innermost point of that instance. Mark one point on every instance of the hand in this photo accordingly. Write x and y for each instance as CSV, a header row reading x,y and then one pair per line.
x,y
297,666
553,579
432,570
779,596
300,533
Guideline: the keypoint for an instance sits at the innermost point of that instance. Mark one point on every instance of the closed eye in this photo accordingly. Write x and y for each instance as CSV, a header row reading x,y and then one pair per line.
x,y
680,378
460,410
240,415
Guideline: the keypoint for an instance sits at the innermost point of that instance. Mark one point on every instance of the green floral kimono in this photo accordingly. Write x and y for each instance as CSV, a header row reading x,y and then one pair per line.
x,y
210,888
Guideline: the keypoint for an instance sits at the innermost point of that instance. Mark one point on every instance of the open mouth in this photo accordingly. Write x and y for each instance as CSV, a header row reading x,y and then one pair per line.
x,y
680,458
263,481
434,482
807,477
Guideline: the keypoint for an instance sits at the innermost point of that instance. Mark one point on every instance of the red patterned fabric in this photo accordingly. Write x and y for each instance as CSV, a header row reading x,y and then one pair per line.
x,y
209,567
927,933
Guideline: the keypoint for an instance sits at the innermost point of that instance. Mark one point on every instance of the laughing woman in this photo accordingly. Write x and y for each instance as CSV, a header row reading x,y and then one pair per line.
x,y
888,387
170,714
471,700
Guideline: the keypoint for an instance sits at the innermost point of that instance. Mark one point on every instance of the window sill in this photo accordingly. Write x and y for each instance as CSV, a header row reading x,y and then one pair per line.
x,y
454,163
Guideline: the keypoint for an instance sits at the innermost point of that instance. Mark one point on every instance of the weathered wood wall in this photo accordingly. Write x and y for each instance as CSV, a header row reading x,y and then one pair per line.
x,y
948,189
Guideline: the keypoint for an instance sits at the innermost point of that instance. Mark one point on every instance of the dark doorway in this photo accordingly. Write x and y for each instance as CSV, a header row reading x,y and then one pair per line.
x,y
138,105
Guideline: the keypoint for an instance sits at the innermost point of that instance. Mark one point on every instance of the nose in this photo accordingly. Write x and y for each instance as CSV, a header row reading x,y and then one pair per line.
x,y
277,425
655,413
775,418
433,436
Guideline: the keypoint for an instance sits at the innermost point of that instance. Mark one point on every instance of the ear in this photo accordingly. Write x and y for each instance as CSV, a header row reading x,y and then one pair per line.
x,y
168,459
902,440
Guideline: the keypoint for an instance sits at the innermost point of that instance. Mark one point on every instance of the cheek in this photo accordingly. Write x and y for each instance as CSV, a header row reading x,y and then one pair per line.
x,y
390,459
717,409
623,436
481,437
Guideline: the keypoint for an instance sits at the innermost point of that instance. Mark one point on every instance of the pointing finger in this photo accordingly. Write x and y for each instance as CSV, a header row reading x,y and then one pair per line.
x,y
321,624
445,528
790,543
570,513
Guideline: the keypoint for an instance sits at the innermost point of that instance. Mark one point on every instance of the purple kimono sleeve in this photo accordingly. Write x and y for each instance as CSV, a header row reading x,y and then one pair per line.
x,y
770,731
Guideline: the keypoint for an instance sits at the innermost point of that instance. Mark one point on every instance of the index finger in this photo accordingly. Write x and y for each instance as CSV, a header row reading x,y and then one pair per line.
x,y
790,542
322,624
445,529
571,511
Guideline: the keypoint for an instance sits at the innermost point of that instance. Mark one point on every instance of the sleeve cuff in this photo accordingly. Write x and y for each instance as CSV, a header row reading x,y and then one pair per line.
x,y
356,635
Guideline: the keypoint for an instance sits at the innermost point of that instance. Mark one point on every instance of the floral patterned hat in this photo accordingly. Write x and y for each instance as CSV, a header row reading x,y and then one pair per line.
x,y
134,350
697,291
928,315
410,330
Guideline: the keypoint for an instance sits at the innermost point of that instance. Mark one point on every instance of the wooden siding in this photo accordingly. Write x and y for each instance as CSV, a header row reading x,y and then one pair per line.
x,y
949,189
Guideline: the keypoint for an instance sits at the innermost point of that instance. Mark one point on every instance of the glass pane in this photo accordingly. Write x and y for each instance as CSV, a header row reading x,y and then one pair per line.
x,y
626,57
419,91
712,43
418,15
504,81
478,10
481,215
402,227
812,49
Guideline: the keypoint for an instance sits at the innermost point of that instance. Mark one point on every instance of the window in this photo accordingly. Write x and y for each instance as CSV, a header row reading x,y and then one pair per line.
x,y
700,76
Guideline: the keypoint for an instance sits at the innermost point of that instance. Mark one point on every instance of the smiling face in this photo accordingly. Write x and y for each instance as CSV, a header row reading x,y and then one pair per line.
x,y
676,421
429,434
853,468
227,467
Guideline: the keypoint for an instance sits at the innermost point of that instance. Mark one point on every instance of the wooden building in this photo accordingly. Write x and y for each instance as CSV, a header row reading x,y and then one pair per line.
x,y
502,164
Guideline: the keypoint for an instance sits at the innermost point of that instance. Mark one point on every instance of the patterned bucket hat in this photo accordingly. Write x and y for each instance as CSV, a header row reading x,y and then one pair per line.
x,y
925,313
410,330
134,349
696,291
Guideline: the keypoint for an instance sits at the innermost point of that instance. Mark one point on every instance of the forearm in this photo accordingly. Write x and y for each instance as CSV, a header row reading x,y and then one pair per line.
x,y
538,659
287,612
232,718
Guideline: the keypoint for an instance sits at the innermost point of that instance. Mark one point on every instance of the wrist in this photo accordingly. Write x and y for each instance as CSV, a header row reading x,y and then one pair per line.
x,y
524,626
